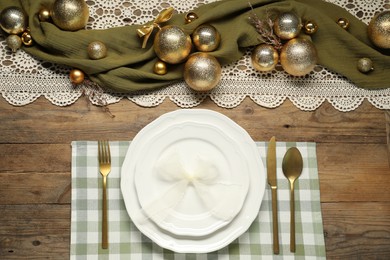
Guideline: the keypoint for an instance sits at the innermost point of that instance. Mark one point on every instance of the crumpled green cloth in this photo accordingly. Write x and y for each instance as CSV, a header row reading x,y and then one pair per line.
x,y
128,67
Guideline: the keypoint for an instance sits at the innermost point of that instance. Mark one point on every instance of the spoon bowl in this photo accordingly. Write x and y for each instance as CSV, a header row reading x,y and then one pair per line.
x,y
292,166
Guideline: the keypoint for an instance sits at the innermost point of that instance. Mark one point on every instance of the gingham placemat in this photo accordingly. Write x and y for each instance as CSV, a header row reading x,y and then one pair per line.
x,y
126,242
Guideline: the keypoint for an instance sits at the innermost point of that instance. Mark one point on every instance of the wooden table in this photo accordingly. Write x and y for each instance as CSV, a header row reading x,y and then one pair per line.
x,y
35,168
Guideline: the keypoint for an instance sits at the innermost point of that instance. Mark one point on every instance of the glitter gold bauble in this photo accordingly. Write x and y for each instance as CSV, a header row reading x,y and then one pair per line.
x,y
298,56
44,15
13,20
160,68
96,50
310,27
343,23
379,30
70,15
190,17
27,38
264,57
287,25
76,76
202,71
206,38
172,44
365,65
14,42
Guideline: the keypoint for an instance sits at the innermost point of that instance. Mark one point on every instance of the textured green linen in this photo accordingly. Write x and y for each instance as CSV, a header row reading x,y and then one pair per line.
x,y
127,242
128,67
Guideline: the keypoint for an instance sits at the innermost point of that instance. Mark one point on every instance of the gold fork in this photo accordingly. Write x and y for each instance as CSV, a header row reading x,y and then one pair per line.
x,y
104,156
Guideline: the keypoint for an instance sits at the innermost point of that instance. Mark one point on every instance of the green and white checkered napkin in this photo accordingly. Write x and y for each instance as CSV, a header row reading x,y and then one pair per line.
x,y
126,242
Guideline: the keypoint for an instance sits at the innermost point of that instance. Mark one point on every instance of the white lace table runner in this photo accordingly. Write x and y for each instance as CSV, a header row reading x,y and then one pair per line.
x,y
23,78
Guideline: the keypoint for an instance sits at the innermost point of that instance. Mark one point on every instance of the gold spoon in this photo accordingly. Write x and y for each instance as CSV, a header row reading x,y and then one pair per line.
x,y
292,168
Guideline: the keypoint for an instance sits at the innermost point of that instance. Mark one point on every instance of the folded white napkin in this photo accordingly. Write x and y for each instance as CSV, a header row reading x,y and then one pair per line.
x,y
222,199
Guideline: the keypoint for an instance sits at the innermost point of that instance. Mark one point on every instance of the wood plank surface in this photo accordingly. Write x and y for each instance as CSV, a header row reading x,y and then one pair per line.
x,y
35,165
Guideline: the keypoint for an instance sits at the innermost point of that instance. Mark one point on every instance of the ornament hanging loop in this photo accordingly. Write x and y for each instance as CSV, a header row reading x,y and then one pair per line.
x,y
147,30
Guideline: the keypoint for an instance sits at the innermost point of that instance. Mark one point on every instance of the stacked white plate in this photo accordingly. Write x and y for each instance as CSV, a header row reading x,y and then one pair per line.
x,y
191,226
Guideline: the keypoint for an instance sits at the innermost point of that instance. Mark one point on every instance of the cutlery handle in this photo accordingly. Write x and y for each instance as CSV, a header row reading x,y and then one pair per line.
x,y
275,220
292,218
104,222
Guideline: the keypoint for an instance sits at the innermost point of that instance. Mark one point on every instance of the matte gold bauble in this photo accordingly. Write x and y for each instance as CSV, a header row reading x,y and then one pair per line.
x,y
190,17
160,68
76,76
202,71
44,15
172,44
287,25
13,20
379,30
365,65
343,23
264,57
96,50
310,27
14,42
206,38
298,56
70,15
27,38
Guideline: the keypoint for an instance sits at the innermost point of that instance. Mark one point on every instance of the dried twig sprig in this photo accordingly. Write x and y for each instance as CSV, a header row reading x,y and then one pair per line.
x,y
94,92
265,29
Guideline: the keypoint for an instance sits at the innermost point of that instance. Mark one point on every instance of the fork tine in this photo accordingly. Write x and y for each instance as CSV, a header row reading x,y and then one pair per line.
x,y
100,151
108,151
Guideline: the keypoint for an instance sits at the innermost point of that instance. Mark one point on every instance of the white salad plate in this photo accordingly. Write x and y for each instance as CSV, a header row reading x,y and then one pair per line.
x,y
227,145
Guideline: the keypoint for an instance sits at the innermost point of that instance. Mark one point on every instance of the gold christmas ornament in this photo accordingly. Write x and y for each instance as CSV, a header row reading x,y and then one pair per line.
x,y
14,42
97,50
147,30
310,27
160,68
287,25
76,76
70,15
343,23
206,38
202,71
190,17
27,38
379,30
298,56
264,57
172,44
365,65
44,15
13,20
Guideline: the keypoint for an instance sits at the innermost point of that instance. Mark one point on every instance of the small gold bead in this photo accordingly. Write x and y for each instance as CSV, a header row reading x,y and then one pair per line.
x,y
343,23
160,68
27,38
310,27
44,15
190,17
76,76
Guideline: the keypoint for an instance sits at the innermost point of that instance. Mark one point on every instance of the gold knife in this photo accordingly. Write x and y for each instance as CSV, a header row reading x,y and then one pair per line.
x,y
272,181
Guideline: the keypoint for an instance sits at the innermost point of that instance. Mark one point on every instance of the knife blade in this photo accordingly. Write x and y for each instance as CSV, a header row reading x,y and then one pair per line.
x,y
272,181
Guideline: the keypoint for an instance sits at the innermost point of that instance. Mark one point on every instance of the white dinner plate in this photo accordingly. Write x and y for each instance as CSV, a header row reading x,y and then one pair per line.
x,y
192,141
253,164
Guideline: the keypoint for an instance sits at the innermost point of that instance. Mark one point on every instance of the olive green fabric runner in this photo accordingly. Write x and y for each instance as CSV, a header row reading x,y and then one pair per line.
x,y
128,67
